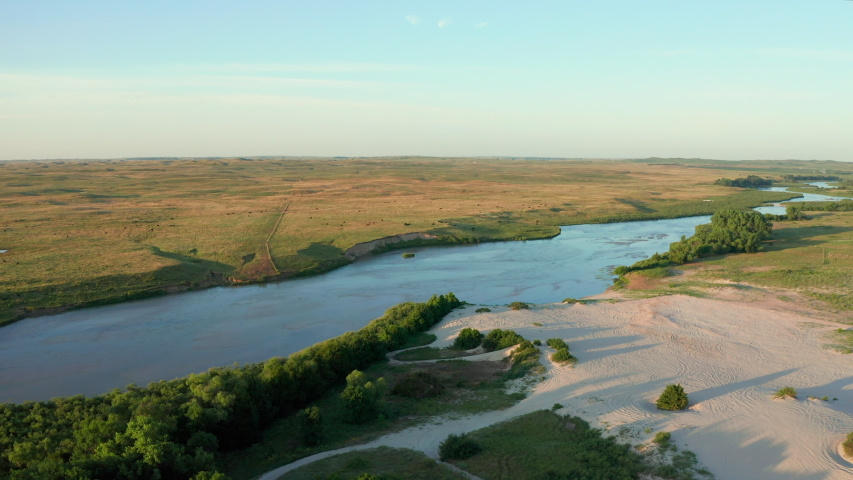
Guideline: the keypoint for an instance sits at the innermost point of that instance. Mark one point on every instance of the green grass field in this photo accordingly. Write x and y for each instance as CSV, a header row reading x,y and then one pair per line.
x,y
813,258
91,232
546,445
383,462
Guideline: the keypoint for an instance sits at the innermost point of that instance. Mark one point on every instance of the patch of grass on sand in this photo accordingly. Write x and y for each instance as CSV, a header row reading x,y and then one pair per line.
x,y
544,444
842,341
383,462
470,387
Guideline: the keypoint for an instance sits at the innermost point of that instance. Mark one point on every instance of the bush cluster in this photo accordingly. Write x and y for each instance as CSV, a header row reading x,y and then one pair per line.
x,y
673,398
418,385
173,429
499,339
662,438
556,343
483,310
524,358
562,356
519,306
786,392
847,445
457,447
468,338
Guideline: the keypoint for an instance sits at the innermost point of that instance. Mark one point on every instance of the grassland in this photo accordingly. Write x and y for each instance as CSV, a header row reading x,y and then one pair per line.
x,y
546,445
91,232
813,258
383,462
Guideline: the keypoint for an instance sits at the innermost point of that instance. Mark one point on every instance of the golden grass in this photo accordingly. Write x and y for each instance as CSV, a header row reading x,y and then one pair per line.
x,y
82,232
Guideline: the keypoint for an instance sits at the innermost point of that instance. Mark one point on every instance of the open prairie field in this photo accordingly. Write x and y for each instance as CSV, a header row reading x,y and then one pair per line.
x,y
89,232
805,263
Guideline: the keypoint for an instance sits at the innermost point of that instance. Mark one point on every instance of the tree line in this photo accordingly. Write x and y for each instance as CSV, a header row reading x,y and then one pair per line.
x,y
752,181
809,178
173,429
730,231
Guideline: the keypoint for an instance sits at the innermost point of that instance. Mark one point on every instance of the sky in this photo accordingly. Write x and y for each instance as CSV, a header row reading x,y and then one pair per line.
x,y
725,79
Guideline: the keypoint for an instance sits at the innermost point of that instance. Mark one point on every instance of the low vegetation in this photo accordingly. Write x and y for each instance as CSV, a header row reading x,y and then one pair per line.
x,y
571,301
672,398
662,438
847,445
519,306
545,445
419,385
483,310
408,255
383,463
786,392
457,447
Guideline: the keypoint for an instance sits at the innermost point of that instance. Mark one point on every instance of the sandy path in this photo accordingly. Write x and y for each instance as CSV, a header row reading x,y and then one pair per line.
x,y
730,357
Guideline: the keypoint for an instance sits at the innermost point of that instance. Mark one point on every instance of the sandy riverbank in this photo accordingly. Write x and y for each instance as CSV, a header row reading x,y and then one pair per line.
x,y
729,356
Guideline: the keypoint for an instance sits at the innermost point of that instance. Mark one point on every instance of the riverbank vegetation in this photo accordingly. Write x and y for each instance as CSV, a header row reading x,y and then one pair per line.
x,y
176,429
82,233
806,262
730,231
752,181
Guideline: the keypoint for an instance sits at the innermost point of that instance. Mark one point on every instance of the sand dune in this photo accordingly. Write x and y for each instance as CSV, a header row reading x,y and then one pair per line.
x,y
730,357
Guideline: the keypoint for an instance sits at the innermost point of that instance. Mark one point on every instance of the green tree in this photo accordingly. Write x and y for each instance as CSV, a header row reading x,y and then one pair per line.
x,y
311,426
468,338
362,398
673,398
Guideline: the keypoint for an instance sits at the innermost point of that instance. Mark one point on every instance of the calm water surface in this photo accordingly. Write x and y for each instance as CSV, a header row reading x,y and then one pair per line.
x,y
93,350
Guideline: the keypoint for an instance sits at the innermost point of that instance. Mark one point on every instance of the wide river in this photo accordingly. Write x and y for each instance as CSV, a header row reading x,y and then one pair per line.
x,y
93,350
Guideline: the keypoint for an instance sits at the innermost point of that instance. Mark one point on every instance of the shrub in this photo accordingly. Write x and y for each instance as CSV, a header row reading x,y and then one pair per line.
x,y
468,338
557,406
457,447
418,385
499,339
311,426
408,255
672,398
662,438
847,446
786,392
562,356
519,306
537,342
362,398
571,300
556,343
524,358
483,310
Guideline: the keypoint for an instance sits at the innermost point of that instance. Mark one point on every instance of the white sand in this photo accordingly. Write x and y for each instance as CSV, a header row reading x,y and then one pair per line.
x,y
729,356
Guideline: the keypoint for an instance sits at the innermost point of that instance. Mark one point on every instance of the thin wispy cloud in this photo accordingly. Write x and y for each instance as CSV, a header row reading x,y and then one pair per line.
x,y
833,55
444,22
413,19
481,24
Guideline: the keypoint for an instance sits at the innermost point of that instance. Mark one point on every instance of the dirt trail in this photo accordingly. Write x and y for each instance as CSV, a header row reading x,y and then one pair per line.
x,y
729,356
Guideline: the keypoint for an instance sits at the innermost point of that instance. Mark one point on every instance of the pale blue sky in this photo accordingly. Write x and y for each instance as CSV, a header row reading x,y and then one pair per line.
x,y
623,78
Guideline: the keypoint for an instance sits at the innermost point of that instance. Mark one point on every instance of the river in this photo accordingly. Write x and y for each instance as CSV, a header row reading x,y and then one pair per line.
x,y
93,350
